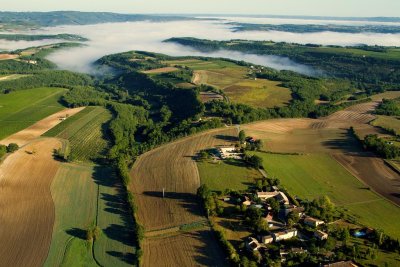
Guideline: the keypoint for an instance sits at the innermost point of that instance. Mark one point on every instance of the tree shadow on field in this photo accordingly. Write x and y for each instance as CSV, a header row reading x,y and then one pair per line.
x,y
396,195
210,254
346,143
190,202
228,138
126,257
114,197
77,233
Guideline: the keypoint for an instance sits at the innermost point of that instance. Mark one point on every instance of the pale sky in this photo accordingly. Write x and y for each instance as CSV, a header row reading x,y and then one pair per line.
x,y
341,8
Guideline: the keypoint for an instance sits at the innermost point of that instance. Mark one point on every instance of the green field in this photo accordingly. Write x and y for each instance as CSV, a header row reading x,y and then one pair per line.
x,y
310,176
228,174
21,109
90,193
259,93
85,133
234,81
388,123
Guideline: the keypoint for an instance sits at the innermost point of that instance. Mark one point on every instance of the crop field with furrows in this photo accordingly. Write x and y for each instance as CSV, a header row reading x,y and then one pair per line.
x,y
27,208
21,109
171,167
85,133
195,248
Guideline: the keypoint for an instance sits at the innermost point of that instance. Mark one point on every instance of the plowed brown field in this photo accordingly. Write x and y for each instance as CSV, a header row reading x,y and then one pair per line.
x,y
26,205
172,167
186,249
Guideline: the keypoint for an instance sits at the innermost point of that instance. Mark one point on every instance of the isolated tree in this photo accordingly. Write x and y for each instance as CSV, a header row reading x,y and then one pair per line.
x,y
242,136
12,147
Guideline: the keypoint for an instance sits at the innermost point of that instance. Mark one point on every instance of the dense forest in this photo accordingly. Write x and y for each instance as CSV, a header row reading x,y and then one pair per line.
x,y
371,68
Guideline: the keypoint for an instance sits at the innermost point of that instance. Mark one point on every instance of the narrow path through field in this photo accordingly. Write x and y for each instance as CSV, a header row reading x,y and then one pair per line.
x,y
26,204
172,167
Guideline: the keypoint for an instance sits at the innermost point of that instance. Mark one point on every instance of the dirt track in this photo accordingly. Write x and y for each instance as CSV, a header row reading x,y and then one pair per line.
x,y
36,130
330,135
172,167
26,205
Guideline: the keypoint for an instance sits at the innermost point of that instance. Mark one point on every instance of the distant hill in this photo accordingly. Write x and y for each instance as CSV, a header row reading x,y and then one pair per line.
x,y
56,18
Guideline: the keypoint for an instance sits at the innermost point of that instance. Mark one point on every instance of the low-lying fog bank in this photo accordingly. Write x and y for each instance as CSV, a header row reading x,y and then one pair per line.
x,y
148,36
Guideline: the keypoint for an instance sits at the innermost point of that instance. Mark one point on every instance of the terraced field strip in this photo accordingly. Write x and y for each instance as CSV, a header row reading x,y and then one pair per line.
x,y
171,167
26,205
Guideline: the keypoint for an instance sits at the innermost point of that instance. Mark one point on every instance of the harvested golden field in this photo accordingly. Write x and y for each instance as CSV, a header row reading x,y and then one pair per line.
x,y
36,130
26,204
172,167
186,249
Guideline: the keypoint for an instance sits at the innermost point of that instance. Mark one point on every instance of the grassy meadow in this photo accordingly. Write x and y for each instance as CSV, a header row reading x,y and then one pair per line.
x,y
313,175
85,133
259,93
232,174
21,109
388,123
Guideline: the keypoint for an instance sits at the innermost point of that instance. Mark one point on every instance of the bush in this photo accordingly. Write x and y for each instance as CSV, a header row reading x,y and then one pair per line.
x,y
11,148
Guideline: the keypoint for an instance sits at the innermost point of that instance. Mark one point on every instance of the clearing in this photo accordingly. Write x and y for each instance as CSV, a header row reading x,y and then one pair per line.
x,y
179,176
27,209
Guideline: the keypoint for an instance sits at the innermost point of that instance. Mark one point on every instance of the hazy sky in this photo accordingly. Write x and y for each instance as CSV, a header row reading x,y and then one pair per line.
x,y
357,8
